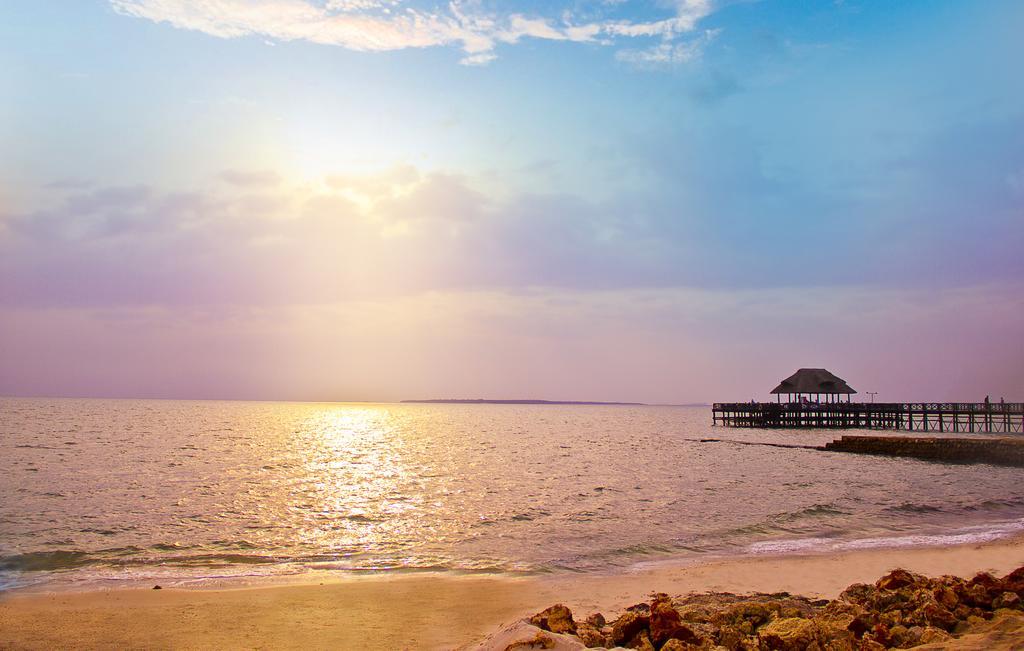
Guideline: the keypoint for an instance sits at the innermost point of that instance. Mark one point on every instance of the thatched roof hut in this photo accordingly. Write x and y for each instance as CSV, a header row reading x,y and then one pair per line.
x,y
814,381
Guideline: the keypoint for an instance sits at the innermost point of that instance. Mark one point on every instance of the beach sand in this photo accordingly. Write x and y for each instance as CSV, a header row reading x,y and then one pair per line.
x,y
434,611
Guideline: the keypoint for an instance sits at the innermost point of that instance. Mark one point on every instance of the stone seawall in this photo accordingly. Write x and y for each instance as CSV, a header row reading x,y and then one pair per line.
x,y
1001,451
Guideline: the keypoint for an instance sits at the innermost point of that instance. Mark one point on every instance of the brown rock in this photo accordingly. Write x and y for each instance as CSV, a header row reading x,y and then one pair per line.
x,y
788,634
884,600
590,636
977,595
898,578
728,636
539,641
880,634
913,636
676,645
753,613
666,624
628,625
861,624
790,612
841,644
858,593
1006,600
931,634
838,641
841,610
695,613
1014,581
987,580
936,616
834,620
899,635
946,597
870,645
641,642
891,618
557,619
596,620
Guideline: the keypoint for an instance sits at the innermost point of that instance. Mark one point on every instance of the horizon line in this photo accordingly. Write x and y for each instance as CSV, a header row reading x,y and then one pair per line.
x,y
536,401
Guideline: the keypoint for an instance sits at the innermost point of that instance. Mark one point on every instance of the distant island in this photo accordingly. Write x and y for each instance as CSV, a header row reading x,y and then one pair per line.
x,y
481,401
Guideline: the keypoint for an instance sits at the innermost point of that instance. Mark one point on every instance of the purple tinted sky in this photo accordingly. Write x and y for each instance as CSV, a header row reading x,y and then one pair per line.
x,y
627,201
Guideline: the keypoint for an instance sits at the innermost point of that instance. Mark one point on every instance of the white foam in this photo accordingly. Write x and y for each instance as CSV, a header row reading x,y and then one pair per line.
x,y
964,536
789,546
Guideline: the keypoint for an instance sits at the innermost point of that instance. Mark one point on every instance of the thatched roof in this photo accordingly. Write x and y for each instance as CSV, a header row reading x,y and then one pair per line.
x,y
813,380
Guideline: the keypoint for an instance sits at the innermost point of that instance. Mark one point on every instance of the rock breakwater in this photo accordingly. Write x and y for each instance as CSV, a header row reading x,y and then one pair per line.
x,y
998,451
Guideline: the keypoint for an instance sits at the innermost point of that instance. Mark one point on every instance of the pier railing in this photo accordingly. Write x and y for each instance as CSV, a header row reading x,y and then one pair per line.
x,y
1006,417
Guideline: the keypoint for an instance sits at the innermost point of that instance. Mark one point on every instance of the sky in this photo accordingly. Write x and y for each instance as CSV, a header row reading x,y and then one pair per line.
x,y
661,201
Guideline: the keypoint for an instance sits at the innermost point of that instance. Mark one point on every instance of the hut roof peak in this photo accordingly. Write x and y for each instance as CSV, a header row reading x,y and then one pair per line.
x,y
814,380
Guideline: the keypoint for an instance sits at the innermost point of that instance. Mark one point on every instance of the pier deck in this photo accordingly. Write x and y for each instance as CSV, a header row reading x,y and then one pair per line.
x,y
964,417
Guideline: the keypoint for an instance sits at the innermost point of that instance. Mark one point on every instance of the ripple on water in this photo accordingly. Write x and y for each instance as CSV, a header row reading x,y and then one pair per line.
x,y
194,489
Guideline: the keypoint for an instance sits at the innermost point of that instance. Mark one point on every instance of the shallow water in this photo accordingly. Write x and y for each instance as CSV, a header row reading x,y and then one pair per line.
x,y
134,490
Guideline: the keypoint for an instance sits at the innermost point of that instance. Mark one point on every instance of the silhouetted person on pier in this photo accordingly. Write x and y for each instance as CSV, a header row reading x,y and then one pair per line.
x,y
988,403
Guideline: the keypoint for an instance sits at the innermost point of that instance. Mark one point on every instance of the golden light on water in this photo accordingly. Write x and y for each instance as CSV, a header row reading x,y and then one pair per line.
x,y
363,489
282,488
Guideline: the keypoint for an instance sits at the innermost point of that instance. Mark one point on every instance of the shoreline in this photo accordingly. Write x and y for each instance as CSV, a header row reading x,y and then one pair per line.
x,y
310,574
437,610
303,574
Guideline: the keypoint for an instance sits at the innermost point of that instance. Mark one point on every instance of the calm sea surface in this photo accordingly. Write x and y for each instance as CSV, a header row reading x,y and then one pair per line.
x,y
95,491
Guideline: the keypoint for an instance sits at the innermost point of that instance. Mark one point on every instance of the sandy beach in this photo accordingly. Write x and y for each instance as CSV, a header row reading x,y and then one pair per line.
x,y
433,611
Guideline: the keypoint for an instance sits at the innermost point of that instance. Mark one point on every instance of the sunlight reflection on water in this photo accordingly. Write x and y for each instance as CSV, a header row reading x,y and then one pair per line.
x,y
134,489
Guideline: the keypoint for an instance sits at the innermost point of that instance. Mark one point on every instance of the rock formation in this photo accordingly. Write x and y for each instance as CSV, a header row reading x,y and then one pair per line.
x,y
901,610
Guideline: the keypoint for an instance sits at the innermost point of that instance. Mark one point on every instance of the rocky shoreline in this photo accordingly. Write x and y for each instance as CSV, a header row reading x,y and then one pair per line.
x,y
900,610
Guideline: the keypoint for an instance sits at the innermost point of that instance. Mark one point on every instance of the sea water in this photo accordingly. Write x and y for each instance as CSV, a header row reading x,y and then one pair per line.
x,y
131,491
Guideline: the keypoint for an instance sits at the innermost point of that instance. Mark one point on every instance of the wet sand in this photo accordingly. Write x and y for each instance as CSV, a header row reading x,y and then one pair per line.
x,y
433,611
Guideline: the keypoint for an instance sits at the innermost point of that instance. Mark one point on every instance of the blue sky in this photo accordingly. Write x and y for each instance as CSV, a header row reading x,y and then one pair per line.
x,y
663,201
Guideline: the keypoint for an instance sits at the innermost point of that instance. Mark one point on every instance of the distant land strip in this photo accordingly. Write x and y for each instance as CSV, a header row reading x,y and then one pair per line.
x,y
481,401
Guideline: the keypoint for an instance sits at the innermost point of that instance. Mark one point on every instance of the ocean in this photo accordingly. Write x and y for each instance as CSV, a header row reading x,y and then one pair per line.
x,y
133,492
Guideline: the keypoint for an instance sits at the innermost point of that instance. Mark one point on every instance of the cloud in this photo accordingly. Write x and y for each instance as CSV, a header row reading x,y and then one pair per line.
x,y
250,178
476,27
669,52
480,59
405,231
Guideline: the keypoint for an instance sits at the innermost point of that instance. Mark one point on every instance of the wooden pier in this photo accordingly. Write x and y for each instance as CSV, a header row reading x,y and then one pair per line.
x,y
963,417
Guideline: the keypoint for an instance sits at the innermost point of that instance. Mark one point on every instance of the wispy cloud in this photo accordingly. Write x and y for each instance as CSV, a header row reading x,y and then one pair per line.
x,y
252,237
474,26
669,52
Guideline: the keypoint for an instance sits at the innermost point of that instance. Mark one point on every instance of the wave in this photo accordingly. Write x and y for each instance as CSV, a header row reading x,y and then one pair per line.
x,y
910,507
962,536
45,561
995,505
56,560
815,511
984,505
813,518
